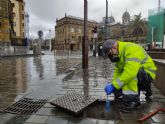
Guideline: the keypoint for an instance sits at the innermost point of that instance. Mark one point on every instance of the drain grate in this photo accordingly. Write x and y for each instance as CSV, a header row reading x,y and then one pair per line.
x,y
73,102
25,106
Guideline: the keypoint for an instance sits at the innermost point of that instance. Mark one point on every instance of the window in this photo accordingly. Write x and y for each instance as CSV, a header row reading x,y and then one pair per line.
x,y
7,31
14,23
79,30
13,14
0,24
22,16
72,30
13,5
14,33
22,24
73,38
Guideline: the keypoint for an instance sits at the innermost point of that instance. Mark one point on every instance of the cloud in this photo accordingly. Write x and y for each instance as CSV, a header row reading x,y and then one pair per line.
x,y
43,13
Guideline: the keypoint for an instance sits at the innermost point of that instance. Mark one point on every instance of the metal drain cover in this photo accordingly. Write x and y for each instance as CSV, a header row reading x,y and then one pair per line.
x,y
73,102
25,106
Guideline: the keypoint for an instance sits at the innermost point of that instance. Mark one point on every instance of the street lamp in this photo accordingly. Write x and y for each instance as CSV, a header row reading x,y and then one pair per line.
x,y
85,38
106,21
50,44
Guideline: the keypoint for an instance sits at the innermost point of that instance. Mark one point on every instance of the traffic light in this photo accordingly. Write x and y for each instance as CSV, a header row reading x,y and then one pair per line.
x,y
94,29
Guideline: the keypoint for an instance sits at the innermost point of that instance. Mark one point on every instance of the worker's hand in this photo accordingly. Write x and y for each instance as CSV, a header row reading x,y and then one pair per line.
x,y
109,88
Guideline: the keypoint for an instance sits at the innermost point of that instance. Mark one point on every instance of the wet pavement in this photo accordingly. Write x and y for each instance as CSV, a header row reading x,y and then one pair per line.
x,y
56,74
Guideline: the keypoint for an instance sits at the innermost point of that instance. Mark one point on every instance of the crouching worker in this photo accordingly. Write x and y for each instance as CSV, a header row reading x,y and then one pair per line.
x,y
134,72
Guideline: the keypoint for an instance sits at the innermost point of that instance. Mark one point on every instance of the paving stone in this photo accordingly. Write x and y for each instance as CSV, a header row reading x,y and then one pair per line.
x,y
55,120
5,118
77,120
133,115
48,105
45,112
89,121
152,106
60,113
130,122
159,118
37,119
158,96
83,121
30,123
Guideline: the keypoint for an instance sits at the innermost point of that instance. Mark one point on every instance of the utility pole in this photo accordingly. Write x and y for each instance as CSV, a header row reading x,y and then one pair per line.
x,y
85,38
106,21
95,40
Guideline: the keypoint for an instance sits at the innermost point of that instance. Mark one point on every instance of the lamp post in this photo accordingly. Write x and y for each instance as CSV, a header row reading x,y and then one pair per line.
x,y
85,38
106,21
50,44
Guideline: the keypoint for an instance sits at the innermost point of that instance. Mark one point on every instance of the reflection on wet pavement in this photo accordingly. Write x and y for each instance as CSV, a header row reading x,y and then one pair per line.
x,y
91,81
20,76
12,80
42,78
66,63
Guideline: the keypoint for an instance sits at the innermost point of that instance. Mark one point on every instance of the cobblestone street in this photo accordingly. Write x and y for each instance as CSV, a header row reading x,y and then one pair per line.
x,y
49,77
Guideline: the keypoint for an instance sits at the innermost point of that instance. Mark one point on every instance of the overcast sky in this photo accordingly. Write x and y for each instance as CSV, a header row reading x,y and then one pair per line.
x,y
43,13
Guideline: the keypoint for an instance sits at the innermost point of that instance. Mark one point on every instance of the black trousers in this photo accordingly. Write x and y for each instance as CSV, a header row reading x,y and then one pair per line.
x,y
144,82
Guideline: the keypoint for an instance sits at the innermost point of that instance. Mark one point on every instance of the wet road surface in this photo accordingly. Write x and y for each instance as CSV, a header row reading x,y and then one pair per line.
x,y
49,77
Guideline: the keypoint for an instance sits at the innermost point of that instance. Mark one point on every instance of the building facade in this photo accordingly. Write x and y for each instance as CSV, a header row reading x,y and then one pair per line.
x,y
5,22
127,31
12,15
126,17
69,33
18,20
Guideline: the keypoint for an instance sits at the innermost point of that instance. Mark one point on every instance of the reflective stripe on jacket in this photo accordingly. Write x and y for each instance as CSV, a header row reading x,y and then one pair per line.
x,y
132,58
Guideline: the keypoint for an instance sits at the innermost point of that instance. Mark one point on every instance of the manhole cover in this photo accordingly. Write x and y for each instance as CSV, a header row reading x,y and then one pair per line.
x,y
25,106
73,102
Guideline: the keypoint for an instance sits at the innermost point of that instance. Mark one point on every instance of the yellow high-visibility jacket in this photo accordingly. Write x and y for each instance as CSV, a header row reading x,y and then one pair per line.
x,y
132,58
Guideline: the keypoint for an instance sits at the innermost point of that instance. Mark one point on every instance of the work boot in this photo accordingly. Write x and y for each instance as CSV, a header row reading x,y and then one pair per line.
x,y
148,94
118,94
148,98
130,103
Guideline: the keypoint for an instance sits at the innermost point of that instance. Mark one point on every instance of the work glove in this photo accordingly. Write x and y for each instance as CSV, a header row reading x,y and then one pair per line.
x,y
109,88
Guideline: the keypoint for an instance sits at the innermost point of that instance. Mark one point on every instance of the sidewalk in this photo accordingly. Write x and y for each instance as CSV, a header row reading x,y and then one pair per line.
x,y
50,87
16,51
99,72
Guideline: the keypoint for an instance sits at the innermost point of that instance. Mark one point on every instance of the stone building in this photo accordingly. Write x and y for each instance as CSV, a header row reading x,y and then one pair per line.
x,y
12,22
69,32
127,31
18,20
5,22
